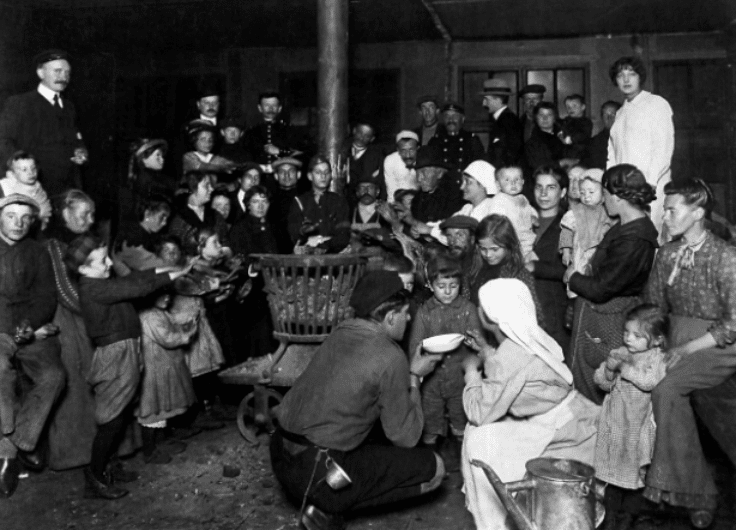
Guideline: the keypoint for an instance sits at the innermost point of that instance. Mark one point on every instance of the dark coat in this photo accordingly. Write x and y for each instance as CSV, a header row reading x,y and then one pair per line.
x,y
596,156
457,151
251,236
621,263
543,149
29,122
185,225
368,166
275,132
506,139
548,273
331,215
440,204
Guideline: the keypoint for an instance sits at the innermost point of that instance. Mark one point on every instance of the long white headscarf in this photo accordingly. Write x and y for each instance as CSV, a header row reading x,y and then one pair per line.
x,y
508,303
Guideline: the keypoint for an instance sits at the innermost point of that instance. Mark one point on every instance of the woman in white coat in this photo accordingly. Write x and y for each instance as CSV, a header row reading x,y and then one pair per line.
x,y
523,406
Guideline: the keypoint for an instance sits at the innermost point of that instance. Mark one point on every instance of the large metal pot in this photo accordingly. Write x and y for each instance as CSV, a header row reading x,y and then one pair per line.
x,y
556,494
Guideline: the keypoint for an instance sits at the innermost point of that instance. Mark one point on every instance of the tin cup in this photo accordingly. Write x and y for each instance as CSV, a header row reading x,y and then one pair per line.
x,y
336,477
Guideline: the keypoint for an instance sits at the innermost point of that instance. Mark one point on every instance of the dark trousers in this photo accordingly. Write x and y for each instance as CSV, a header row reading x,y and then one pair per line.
x,y
40,362
380,474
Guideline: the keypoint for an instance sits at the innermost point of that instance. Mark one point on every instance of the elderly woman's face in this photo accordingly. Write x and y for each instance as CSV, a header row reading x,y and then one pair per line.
x,y
547,192
491,252
154,161
79,217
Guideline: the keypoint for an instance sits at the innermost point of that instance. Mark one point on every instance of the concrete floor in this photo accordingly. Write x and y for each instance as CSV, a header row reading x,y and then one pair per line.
x,y
191,493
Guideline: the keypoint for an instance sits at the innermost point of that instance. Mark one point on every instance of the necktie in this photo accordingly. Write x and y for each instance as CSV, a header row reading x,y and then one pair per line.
x,y
57,102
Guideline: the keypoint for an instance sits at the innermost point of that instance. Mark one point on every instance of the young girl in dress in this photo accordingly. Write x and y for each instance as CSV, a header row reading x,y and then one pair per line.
x,y
626,428
166,388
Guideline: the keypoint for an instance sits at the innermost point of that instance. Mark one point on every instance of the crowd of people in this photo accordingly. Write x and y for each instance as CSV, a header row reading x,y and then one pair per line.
x,y
582,337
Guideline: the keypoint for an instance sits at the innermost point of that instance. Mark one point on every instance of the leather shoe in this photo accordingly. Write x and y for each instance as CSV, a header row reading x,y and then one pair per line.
x,y
94,489
9,471
315,519
31,460
117,473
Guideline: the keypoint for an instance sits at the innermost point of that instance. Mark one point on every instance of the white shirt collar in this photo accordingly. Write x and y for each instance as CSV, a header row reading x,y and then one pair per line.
x,y
49,94
366,210
498,112
204,158
213,121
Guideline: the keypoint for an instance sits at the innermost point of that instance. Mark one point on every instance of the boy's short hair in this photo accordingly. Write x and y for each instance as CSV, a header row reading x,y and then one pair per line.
x,y
155,204
398,263
268,95
610,103
575,97
78,252
394,303
19,155
194,177
443,267
164,240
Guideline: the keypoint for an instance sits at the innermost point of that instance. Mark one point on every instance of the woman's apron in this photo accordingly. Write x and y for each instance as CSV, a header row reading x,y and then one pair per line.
x,y
506,446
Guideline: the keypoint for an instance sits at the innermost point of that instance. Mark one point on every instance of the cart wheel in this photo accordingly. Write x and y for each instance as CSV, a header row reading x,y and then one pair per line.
x,y
251,421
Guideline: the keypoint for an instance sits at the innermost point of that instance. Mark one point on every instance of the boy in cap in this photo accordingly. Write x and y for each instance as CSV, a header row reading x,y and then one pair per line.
x,y
113,325
358,377
27,341
232,147
44,123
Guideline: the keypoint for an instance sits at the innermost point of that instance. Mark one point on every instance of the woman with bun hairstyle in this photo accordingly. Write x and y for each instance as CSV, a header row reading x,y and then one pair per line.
x,y
618,273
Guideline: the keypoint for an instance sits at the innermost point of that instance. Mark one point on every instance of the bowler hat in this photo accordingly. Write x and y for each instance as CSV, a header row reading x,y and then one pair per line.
x,y
49,55
495,87
207,88
429,157
532,89
373,289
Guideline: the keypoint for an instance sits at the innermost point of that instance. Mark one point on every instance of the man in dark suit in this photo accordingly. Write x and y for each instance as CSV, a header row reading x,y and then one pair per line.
x,y
505,139
250,176
44,123
457,147
272,138
531,96
365,161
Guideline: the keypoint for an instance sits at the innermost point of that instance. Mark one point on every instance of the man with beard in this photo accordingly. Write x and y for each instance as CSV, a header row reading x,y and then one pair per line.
x,y
459,231
364,161
270,139
429,111
438,198
457,146
43,123
531,96
398,167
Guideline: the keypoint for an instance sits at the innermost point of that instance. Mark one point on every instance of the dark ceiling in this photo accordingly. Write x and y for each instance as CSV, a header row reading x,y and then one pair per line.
x,y
164,25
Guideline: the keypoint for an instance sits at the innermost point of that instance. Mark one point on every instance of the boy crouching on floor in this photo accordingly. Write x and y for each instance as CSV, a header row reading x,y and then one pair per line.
x,y
115,330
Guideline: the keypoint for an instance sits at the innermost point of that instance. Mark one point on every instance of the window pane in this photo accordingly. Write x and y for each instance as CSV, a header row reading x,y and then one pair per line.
x,y
570,81
473,103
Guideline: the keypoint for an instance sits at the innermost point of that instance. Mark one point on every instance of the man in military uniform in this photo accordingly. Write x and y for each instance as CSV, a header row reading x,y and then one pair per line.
x,y
456,146
530,96
270,139
43,123
505,137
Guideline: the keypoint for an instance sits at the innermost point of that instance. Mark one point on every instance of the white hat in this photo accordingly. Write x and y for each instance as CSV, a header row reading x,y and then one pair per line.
x,y
509,303
484,173
407,135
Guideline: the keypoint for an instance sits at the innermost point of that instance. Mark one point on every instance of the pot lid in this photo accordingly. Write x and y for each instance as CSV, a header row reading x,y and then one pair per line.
x,y
559,469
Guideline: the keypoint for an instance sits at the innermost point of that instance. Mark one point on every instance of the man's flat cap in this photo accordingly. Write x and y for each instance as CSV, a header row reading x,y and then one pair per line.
x,y
18,198
373,289
457,107
460,221
49,55
429,157
286,160
532,89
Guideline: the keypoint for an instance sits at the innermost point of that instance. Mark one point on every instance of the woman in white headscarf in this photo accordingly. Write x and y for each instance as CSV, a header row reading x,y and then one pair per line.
x,y
522,406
